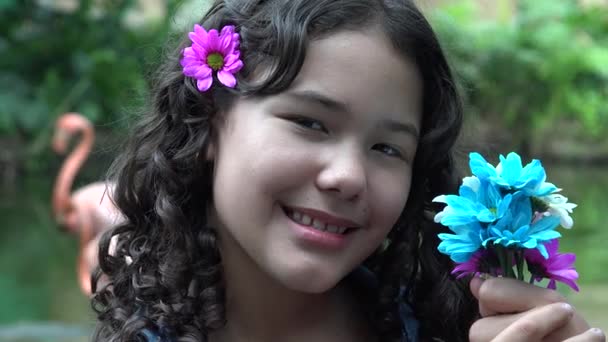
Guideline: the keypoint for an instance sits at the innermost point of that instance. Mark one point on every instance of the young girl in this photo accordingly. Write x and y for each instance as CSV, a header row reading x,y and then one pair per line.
x,y
279,189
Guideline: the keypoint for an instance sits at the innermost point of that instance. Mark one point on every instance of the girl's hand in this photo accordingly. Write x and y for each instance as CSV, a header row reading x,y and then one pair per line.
x,y
514,311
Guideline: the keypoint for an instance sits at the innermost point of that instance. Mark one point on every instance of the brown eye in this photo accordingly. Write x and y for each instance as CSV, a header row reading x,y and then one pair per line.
x,y
388,150
309,123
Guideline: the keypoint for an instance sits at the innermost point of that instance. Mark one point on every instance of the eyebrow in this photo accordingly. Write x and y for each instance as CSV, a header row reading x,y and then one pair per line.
x,y
400,127
317,98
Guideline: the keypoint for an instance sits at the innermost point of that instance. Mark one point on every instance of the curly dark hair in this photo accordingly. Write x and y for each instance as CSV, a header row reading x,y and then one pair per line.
x,y
165,274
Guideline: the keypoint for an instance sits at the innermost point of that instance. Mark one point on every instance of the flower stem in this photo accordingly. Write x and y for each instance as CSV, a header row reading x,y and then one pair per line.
x,y
509,262
501,259
519,261
531,278
505,259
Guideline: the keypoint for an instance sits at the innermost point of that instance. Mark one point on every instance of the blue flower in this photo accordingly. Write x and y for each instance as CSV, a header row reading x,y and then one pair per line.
x,y
477,201
511,175
480,167
516,229
461,246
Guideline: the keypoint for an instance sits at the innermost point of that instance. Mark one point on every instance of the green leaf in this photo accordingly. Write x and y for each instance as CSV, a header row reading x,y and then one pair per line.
x,y
596,60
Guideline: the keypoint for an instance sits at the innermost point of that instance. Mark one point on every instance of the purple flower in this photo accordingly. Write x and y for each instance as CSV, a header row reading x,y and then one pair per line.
x,y
212,51
482,261
557,267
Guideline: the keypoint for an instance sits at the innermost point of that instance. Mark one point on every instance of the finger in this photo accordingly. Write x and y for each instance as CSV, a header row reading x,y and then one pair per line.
x,y
474,286
591,335
537,324
487,328
507,295
575,327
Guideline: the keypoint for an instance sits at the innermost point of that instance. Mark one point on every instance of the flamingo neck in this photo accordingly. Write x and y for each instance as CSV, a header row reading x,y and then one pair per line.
x,y
69,169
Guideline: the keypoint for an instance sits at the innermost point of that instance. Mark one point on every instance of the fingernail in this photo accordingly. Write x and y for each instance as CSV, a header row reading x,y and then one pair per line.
x,y
597,331
567,307
484,276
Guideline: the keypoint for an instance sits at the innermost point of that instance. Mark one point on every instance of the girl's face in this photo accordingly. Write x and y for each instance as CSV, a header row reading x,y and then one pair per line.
x,y
309,182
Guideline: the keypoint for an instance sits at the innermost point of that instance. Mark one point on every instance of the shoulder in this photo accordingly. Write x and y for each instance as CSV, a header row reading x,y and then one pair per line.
x,y
366,283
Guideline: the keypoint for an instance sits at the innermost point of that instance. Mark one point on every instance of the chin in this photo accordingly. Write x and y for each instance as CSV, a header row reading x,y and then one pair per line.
x,y
311,287
315,281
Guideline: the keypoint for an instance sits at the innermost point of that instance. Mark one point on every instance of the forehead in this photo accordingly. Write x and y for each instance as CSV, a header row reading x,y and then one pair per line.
x,y
362,70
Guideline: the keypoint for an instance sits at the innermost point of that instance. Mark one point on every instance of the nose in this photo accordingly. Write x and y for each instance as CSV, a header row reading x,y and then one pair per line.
x,y
344,175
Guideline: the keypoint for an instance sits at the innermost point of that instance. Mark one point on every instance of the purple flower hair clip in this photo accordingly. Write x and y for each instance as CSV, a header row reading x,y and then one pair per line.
x,y
212,52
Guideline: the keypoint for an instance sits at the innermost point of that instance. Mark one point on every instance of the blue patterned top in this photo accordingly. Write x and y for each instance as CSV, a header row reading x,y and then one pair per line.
x,y
364,280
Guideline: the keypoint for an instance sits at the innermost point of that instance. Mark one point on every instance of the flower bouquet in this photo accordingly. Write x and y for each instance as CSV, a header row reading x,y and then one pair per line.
x,y
504,218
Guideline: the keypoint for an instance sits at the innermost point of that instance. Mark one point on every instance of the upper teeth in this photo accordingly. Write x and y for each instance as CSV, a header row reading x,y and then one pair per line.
x,y
315,223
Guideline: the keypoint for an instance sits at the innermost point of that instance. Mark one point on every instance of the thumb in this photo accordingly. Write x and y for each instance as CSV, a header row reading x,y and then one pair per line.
x,y
475,285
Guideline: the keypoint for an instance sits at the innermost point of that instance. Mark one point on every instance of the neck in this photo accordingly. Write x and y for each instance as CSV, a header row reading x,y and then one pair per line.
x,y
258,308
67,173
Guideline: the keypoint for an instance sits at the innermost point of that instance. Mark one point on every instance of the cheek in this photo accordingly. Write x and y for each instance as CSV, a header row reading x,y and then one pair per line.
x,y
280,164
261,164
389,196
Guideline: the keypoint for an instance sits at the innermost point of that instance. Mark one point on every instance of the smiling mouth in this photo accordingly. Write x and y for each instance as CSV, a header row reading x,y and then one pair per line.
x,y
315,223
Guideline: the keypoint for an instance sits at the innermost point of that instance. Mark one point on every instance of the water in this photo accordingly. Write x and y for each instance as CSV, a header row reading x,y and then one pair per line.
x,y
44,331
39,296
41,301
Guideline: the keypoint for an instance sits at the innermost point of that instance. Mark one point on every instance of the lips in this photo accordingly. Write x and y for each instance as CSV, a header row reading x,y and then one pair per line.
x,y
320,221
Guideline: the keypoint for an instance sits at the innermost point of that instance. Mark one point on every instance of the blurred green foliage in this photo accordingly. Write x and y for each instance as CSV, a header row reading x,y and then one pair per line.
x,y
522,72
89,59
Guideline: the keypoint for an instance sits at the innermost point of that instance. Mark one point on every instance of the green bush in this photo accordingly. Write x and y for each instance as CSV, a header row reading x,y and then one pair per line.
x,y
548,62
87,60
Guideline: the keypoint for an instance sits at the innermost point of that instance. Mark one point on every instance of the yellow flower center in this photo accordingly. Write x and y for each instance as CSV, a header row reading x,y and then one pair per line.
x,y
215,61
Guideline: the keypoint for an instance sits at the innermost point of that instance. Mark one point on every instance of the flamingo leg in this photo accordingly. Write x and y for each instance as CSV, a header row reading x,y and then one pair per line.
x,y
84,266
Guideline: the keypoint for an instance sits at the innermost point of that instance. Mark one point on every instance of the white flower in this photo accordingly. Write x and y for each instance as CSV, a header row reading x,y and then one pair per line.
x,y
559,206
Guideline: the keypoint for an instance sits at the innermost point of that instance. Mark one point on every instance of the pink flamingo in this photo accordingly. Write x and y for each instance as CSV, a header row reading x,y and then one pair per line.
x,y
88,211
